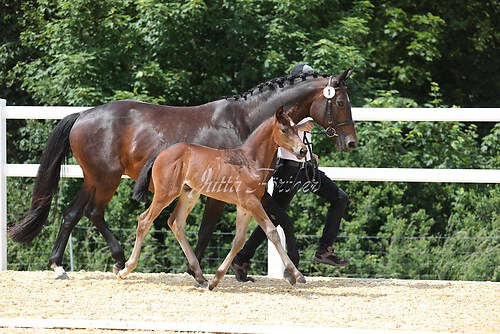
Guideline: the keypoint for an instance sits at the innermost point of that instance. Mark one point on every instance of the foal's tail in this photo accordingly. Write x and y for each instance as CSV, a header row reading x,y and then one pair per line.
x,y
141,188
46,185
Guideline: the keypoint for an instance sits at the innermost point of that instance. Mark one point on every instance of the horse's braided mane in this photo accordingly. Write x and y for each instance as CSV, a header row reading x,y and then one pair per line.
x,y
276,83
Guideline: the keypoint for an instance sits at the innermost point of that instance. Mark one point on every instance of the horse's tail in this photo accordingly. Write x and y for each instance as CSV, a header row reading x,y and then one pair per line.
x,y
46,184
141,188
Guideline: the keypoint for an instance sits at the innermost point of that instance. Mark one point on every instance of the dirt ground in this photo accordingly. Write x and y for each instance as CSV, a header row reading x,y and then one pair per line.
x,y
439,306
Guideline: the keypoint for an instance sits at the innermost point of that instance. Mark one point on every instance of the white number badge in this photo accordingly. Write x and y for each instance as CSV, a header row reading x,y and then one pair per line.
x,y
329,92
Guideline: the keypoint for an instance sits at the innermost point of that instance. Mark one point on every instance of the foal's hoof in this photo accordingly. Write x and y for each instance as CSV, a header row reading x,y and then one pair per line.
x,y
117,267
191,272
289,277
120,276
213,283
202,285
302,279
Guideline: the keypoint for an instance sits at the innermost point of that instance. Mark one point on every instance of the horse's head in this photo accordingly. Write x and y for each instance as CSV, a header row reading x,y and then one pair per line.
x,y
320,96
331,108
285,133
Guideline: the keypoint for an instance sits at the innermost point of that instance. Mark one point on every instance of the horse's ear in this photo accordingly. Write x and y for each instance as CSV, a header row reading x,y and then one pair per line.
x,y
279,112
346,74
292,110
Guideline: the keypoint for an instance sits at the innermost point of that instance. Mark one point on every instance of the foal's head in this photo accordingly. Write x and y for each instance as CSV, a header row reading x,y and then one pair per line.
x,y
285,133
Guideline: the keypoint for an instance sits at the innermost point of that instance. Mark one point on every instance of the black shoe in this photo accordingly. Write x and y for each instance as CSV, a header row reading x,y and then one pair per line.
x,y
329,257
240,271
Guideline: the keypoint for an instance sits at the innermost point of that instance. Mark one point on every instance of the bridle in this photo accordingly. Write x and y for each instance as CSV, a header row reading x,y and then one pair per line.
x,y
329,93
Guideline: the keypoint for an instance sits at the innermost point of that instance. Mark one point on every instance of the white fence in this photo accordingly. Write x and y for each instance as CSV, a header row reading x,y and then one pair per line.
x,y
275,267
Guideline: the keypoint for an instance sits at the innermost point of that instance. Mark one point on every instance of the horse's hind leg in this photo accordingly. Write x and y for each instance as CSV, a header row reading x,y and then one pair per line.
x,y
95,212
177,223
242,219
71,216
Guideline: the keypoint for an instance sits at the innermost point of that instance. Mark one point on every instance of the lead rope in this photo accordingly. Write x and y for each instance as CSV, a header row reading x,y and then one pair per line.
x,y
306,165
314,166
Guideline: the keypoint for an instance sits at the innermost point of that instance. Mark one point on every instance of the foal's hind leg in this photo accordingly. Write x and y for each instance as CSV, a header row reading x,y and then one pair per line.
x,y
144,224
177,223
242,219
211,216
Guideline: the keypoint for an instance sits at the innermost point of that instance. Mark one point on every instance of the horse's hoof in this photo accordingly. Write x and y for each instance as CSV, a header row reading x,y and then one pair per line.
x,y
117,268
302,279
60,273
211,287
61,276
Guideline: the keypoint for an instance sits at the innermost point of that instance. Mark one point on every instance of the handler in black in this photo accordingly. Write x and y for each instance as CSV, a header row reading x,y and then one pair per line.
x,y
292,175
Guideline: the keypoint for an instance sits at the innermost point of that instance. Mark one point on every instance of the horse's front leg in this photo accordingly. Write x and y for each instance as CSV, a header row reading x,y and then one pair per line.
x,y
242,219
262,219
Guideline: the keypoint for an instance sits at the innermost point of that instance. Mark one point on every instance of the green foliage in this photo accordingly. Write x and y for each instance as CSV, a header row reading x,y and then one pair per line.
x,y
472,247
406,54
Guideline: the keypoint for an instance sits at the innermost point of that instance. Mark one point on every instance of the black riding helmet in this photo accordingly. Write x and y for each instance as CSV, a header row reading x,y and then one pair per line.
x,y
301,69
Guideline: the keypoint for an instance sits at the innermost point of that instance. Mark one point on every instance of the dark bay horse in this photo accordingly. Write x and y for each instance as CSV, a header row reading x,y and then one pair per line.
x,y
117,139
186,171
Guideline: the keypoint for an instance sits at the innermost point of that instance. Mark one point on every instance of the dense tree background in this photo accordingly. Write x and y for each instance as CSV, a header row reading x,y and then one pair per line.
x,y
406,54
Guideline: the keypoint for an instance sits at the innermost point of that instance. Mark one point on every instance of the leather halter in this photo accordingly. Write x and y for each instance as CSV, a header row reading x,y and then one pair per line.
x,y
331,129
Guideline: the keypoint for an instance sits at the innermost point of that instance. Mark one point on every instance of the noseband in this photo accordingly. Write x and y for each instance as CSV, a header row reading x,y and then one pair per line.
x,y
329,93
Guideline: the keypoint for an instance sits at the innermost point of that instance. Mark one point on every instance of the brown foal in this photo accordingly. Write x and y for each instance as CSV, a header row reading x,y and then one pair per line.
x,y
236,176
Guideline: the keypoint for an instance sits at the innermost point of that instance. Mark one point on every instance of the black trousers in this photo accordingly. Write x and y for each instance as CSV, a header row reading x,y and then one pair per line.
x,y
288,180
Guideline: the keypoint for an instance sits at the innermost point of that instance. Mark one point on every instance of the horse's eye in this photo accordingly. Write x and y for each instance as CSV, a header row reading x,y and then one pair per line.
x,y
284,130
340,103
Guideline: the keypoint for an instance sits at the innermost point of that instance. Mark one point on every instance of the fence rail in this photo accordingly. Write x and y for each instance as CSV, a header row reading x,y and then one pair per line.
x,y
344,173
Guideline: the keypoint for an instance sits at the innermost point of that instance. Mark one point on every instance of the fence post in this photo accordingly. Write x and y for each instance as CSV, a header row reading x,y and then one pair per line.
x,y
3,185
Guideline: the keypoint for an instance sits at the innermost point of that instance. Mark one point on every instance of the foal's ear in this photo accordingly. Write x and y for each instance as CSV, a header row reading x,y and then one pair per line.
x,y
279,113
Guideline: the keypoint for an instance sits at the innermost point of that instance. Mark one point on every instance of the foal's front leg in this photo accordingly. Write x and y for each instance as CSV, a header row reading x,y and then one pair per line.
x,y
242,219
265,223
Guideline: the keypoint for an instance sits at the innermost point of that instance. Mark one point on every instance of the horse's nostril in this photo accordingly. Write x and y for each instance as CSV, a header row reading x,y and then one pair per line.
x,y
352,144
303,151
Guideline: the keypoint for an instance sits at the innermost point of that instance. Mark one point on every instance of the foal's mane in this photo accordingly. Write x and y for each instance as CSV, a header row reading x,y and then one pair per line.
x,y
274,84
